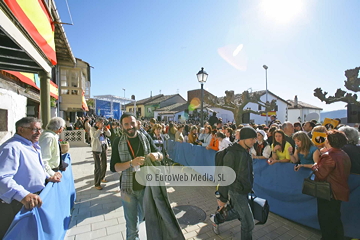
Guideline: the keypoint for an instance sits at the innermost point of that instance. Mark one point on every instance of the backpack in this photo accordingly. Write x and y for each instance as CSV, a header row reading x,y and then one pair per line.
x,y
219,156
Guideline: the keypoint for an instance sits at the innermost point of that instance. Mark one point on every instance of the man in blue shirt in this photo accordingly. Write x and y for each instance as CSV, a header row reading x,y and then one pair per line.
x,y
22,173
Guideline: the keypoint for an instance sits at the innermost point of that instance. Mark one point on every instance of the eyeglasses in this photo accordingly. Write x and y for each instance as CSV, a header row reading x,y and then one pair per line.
x,y
34,130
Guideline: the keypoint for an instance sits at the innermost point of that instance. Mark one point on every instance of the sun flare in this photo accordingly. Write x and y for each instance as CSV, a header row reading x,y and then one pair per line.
x,y
282,11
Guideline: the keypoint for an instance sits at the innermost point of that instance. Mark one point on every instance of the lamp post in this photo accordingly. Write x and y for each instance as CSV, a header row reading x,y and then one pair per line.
x,y
266,68
202,77
124,100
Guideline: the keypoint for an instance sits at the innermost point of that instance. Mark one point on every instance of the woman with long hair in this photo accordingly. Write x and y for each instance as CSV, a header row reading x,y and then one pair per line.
x,y
333,167
172,131
205,137
179,134
193,135
279,148
306,153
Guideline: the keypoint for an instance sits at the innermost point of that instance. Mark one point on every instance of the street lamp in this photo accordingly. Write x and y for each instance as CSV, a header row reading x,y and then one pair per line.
x,y
124,100
266,68
202,77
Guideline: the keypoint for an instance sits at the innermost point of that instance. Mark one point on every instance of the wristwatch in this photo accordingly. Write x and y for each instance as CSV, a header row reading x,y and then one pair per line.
x,y
131,163
217,194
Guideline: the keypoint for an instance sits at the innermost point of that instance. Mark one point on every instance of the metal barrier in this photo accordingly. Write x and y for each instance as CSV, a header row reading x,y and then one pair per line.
x,y
76,138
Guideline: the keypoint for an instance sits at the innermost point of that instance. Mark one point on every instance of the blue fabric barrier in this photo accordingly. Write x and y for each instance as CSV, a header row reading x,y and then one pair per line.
x,y
52,219
281,186
192,155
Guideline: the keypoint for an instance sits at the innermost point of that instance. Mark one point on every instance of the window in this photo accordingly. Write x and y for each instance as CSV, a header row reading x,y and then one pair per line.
x,y
3,120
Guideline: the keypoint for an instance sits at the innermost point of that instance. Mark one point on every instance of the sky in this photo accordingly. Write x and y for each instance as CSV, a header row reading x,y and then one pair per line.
x,y
148,47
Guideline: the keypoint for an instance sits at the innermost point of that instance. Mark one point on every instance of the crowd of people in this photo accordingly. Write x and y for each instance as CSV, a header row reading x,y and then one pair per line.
x,y
333,152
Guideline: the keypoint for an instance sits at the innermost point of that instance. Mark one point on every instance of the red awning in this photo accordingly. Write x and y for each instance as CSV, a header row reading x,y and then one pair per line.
x,y
29,78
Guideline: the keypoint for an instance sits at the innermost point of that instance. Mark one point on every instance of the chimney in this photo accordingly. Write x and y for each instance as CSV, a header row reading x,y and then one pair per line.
x,y
296,101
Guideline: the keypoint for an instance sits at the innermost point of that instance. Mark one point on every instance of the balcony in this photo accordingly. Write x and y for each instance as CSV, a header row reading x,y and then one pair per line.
x,y
71,99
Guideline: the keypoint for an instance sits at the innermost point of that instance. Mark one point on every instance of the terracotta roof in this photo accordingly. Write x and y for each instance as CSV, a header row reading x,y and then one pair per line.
x,y
301,105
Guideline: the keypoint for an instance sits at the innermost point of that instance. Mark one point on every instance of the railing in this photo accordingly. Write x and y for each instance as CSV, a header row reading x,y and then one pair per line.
x,y
76,138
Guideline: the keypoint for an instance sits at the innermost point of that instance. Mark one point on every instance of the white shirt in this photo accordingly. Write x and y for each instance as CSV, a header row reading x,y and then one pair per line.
x,y
224,143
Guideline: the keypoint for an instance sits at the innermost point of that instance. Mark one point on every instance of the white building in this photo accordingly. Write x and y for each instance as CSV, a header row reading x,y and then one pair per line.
x,y
301,112
281,111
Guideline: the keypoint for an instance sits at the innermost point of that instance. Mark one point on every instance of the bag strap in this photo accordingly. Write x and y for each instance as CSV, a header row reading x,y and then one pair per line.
x,y
312,173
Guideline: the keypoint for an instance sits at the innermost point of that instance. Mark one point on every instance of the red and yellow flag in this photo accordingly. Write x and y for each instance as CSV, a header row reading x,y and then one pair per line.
x,y
31,79
35,18
84,104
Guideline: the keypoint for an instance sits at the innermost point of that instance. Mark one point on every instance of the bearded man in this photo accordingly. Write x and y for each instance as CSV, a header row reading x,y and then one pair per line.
x,y
128,155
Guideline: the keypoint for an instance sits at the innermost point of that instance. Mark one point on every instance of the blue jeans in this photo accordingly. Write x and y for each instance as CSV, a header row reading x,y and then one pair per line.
x,y
241,205
133,212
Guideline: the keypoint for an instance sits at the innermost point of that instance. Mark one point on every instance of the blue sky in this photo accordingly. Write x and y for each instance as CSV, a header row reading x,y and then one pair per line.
x,y
150,46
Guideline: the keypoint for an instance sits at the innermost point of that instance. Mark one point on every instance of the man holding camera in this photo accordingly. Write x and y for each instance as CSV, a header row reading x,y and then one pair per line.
x,y
239,159
99,145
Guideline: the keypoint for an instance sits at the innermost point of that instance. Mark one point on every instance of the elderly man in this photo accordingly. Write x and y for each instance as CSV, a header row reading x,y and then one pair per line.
x,y
288,129
22,171
50,150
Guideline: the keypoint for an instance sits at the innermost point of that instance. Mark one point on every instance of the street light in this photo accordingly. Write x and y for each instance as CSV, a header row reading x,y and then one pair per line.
x,y
202,77
266,68
124,100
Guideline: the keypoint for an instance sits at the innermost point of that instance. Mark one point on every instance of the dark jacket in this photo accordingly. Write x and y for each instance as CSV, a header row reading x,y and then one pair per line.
x,y
239,159
334,167
354,153
161,223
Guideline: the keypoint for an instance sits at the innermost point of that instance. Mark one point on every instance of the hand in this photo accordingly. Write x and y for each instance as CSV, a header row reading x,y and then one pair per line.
x,y
199,143
55,178
297,167
155,156
277,148
31,200
138,161
271,161
290,149
220,204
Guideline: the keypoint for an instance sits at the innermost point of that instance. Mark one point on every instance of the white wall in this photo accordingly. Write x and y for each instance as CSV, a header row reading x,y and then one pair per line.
x,y
227,115
303,113
15,104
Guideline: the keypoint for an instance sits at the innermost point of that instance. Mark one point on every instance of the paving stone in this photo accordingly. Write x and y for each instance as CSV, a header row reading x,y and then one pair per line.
x,y
91,220
190,235
91,235
104,224
79,230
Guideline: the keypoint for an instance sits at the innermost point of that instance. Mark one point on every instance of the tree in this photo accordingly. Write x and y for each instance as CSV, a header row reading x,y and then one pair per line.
x,y
90,102
352,83
236,103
